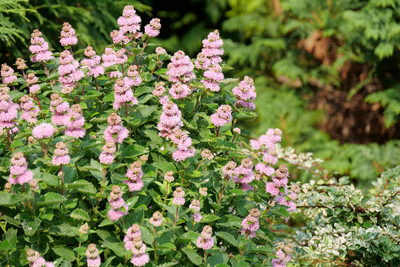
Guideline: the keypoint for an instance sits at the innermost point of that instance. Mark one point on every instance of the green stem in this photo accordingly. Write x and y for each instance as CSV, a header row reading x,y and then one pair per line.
x,y
62,179
205,258
166,194
155,245
176,215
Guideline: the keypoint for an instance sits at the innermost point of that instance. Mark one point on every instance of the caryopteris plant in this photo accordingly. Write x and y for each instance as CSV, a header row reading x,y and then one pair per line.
x,y
132,157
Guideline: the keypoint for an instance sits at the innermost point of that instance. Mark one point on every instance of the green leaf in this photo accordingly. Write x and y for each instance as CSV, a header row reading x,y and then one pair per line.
x,y
30,227
193,256
80,214
15,95
154,137
8,199
65,253
209,218
16,143
134,151
165,166
107,262
167,264
228,238
168,246
281,211
62,230
267,250
109,98
95,171
118,248
384,50
50,199
218,258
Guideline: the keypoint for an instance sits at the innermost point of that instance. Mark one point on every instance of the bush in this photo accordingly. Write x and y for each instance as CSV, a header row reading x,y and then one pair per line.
x,y
184,186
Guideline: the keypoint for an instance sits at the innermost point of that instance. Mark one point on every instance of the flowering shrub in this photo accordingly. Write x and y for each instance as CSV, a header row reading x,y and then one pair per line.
x,y
155,135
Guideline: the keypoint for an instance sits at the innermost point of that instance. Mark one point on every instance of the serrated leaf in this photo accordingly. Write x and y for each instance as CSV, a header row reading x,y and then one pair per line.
x,y
50,199
8,199
65,253
154,137
16,143
80,214
193,256
63,229
228,238
30,227
209,218
167,264
165,166
135,150
107,262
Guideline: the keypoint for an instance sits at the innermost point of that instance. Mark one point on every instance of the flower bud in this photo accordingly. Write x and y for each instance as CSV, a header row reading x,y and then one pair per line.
x,y
84,229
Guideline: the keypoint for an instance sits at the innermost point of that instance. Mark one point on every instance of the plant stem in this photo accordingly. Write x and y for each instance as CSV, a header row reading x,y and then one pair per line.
x,y
141,54
155,245
62,179
222,192
205,258
97,86
198,166
176,215
219,127
193,222
166,194
83,90
45,69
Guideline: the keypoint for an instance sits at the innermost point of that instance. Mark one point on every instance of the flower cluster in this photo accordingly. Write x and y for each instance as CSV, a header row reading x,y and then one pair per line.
x,y
183,143
119,207
61,156
19,173
69,72
40,48
212,47
134,74
179,197
8,110
159,90
283,255
245,93
106,155
59,108
92,62
229,168
35,260
244,174
7,74
74,122
170,119
129,26
115,132
92,255
123,94
179,90
153,29
251,223
68,35
133,242
157,219
214,76
134,175
31,81
21,65
195,205
180,68
42,131
222,116
205,240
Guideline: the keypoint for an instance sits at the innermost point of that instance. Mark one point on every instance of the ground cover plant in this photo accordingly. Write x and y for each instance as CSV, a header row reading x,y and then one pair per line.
x,y
134,157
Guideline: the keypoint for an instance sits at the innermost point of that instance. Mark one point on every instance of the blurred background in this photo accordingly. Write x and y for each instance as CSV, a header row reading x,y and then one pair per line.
x,y
327,72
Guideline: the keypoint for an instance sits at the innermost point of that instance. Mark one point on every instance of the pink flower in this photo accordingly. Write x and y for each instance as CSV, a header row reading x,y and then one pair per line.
x,y
223,116
180,68
179,90
96,262
205,240
272,189
44,130
140,260
153,29
39,48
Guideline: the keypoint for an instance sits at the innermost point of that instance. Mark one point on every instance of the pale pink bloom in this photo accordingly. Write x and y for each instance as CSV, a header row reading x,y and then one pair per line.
x,y
96,262
140,260
272,189
134,185
151,31
197,217
180,155
44,130
179,90
178,201
264,169
205,243
106,158
61,160
278,263
69,41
